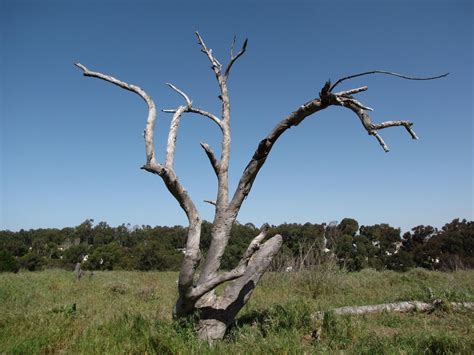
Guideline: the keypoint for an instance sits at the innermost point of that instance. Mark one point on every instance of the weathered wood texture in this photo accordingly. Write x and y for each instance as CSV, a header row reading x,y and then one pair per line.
x,y
399,307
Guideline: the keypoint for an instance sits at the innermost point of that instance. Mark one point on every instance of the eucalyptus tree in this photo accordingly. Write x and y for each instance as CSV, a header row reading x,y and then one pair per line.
x,y
198,279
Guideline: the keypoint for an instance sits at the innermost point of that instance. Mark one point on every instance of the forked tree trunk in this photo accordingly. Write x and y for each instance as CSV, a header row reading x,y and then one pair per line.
x,y
198,293
217,313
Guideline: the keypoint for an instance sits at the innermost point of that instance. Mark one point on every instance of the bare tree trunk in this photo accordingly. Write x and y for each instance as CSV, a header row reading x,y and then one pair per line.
x,y
217,313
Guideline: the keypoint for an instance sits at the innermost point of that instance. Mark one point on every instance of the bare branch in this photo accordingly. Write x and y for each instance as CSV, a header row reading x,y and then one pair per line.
x,y
255,244
173,132
387,73
189,107
199,111
406,124
210,202
209,285
380,140
212,158
192,256
261,153
351,91
215,63
372,128
205,113
343,100
150,124
234,59
327,98
186,98
232,47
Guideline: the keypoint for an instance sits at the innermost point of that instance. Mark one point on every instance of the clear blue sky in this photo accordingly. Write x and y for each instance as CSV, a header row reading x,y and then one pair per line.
x,y
71,146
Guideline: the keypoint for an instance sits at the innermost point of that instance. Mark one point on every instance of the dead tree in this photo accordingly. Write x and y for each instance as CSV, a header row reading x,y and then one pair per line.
x,y
197,289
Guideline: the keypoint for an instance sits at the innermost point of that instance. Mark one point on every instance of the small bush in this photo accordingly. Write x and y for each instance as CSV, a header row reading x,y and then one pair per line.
x,y
443,344
148,294
116,288
32,262
8,263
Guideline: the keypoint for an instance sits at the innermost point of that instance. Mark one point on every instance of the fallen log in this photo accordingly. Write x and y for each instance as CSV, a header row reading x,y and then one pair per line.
x,y
400,307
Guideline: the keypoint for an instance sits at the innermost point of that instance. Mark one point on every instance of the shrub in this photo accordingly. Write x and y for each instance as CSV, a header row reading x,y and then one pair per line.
x,y
31,262
7,262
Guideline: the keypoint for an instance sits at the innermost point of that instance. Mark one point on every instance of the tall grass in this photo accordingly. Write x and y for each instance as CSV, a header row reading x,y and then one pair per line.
x,y
130,312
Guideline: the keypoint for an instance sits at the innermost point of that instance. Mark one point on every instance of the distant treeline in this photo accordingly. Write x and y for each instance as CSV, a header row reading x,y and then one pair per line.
x,y
126,247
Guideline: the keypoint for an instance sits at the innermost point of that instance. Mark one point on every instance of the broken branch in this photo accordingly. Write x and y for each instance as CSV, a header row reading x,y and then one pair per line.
x,y
210,202
400,307
212,158
255,243
406,124
215,63
352,91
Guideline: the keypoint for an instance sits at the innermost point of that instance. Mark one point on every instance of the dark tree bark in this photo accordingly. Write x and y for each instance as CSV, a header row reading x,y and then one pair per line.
x,y
197,292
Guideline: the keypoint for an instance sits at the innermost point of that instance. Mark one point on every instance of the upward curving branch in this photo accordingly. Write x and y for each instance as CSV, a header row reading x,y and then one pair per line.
x,y
172,135
175,123
233,58
264,147
186,98
166,172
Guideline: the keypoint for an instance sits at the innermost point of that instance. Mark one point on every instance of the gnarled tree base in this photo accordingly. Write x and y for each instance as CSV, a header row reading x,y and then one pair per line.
x,y
217,313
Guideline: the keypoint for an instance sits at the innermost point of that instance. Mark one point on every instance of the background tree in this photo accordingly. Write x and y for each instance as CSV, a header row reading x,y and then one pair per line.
x,y
8,263
453,247
153,255
197,291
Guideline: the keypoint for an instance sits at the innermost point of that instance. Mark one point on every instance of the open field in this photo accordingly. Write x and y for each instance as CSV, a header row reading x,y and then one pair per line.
x,y
130,312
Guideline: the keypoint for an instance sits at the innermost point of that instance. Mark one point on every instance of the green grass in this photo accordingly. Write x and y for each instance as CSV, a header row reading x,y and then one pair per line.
x,y
130,312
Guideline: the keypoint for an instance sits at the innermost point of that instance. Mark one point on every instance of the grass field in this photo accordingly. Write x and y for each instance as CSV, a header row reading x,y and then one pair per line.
x,y
130,312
